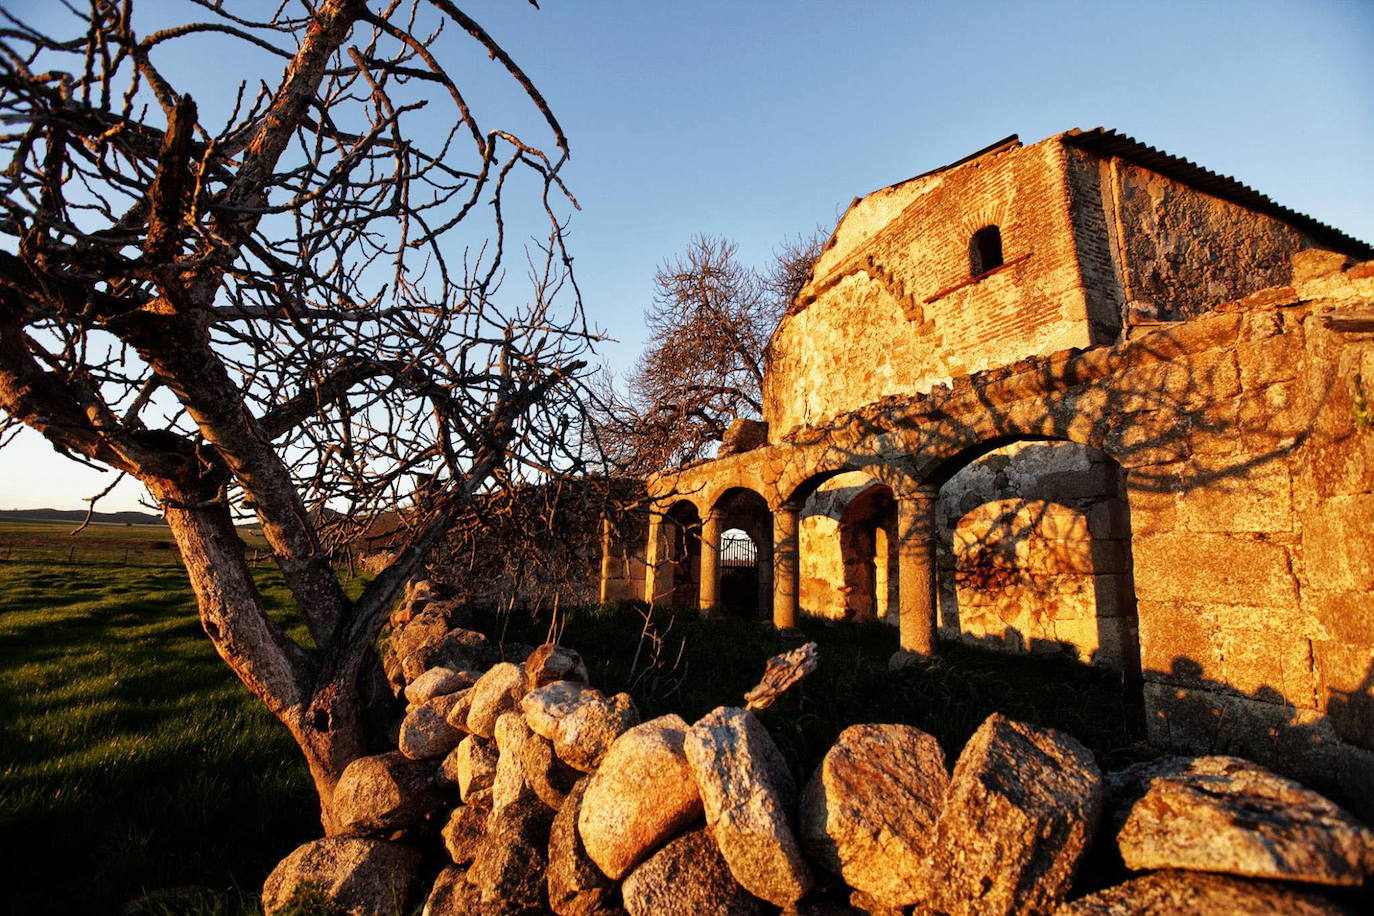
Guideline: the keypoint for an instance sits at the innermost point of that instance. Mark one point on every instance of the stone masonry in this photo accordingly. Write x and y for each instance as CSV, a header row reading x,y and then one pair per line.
x,y
1144,438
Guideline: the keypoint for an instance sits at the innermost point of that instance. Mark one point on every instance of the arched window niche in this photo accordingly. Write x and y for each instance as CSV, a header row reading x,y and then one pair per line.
x,y
985,251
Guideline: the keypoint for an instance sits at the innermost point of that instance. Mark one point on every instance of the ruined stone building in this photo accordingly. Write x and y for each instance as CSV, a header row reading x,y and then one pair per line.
x,y
1077,396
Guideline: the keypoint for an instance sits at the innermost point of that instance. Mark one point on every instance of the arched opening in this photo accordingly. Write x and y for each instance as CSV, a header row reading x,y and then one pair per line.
x,y
985,251
746,553
682,537
739,573
1034,553
868,532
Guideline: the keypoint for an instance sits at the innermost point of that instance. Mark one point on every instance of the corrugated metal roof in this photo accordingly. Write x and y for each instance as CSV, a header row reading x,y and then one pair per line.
x,y
1105,142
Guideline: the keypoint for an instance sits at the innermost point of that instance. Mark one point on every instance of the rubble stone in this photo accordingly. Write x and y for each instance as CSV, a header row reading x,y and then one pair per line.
x,y
1225,814
438,681
642,796
544,706
549,663
357,876
686,878
582,737
384,793
746,792
466,828
868,811
1200,894
1020,809
471,766
426,732
498,691
576,887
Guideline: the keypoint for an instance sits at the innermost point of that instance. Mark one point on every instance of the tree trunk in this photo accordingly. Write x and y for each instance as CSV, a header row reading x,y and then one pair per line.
x,y
321,712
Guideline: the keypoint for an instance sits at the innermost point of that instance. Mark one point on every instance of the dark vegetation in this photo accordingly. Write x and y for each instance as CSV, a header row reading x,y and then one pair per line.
x,y
684,664
132,758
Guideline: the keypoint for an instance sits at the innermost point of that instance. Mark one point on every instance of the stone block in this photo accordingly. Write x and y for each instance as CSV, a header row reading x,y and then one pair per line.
x,y
1177,644
1338,543
1246,498
1266,663
1344,616
1346,675
1214,569
1272,359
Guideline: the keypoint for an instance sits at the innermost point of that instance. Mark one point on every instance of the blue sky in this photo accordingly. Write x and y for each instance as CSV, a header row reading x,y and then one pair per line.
x,y
760,119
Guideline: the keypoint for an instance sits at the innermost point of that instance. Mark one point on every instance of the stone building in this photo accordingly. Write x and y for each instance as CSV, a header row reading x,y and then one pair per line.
x,y
1079,396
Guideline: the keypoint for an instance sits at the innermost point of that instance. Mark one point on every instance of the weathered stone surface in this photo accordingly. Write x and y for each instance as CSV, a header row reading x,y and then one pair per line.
x,y
420,630
452,895
1165,893
425,731
386,792
471,766
549,663
458,715
361,877
510,784
642,796
686,878
1225,814
576,887
582,737
545,706
438,681
466,827
868,811
498,691
746,792
547,776
457,648
1018,813
509,866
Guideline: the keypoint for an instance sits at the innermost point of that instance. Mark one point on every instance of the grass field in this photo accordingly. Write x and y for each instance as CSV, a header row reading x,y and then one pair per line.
x,y
131,757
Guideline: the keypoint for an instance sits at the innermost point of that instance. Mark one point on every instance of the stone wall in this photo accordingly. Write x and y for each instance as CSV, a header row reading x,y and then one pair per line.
x,y
891,307
1248,455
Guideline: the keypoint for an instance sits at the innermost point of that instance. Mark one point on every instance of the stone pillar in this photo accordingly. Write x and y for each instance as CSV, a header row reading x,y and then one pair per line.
x,y
607,561
658,572
710,563
786,563
916,570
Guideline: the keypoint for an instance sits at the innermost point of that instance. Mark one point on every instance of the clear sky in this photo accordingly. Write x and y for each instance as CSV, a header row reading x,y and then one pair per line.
x,y
760,119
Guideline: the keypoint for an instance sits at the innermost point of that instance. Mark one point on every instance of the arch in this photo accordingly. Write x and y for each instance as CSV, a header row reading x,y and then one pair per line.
x,y
682,552
868,533
1034,550
746,587
985,251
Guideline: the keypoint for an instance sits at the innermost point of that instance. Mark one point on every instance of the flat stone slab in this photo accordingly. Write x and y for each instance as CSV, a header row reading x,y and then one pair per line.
x,y
1228,815
1199,894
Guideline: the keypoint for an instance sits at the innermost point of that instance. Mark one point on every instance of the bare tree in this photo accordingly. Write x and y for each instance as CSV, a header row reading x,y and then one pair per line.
x,y
282,308
710,324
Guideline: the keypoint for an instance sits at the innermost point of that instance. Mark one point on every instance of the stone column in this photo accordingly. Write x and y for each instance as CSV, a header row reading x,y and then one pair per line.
x,y
607,561
658,577
916,570
710,563
786,558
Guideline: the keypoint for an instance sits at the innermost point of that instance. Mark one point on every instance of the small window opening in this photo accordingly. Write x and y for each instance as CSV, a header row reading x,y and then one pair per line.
x,y
985,251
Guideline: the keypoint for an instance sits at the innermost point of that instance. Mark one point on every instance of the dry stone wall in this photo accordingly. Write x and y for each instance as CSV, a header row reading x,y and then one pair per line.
x,y
679,818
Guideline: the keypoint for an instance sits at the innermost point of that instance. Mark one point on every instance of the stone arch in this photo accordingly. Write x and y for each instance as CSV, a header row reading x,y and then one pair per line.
x,y
1034,550
681,557
746,588
868,541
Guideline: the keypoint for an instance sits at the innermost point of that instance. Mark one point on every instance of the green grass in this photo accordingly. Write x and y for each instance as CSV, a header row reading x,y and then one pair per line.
x,y
132,758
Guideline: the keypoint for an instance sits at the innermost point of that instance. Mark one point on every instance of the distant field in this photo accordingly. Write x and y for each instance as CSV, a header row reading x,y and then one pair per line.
x,y
130,756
